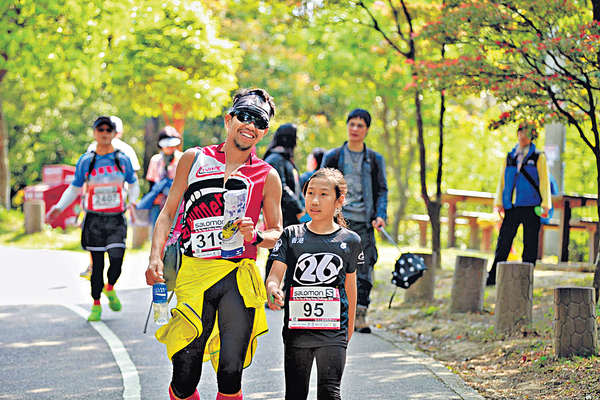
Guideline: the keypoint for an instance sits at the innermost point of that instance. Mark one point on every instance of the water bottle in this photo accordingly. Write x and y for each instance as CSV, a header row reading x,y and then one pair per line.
x,y
234,209
159,303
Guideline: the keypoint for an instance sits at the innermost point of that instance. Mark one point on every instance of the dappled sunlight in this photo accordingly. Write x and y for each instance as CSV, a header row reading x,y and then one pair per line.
x,y
384,355
40,343
90,347
263,395
40,390
104,365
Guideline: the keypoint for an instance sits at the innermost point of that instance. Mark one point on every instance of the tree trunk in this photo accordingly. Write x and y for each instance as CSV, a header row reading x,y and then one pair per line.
x,y
434,215
597,261
433,210
399,215
4,170
150,140
596,149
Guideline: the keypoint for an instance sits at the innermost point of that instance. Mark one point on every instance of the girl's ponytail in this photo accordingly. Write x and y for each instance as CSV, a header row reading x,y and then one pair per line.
x,y
341,221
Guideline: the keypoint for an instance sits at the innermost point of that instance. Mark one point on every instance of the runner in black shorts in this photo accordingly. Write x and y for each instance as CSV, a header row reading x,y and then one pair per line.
x,y
104,173
319,294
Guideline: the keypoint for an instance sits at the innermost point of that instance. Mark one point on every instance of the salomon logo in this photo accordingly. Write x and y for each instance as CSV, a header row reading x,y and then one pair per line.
x,y
317,268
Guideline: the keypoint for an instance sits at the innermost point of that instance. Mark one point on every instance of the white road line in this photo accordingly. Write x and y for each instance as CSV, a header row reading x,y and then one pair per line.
x,y
131,380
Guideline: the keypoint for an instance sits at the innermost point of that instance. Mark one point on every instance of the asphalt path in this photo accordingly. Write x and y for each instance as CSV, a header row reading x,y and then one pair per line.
x,y
48,350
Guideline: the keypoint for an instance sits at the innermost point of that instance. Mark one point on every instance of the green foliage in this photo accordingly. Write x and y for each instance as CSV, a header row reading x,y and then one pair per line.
x,y
168,58
68,63
539,58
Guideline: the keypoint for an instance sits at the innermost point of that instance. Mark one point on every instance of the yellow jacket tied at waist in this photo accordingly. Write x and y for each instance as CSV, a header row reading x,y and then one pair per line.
x,y
194,278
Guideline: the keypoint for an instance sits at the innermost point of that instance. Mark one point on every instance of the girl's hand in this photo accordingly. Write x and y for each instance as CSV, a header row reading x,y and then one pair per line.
x,y
154,272
274,296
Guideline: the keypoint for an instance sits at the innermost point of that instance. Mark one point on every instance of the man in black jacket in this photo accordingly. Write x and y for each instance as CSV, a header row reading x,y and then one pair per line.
x,y
280,154
365,208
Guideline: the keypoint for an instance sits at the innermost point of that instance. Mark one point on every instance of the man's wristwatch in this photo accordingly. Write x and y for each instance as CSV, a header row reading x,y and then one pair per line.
x,y
257,238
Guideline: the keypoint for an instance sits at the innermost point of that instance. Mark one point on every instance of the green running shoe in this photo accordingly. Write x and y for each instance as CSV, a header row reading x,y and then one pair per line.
x,y
95,314
113,300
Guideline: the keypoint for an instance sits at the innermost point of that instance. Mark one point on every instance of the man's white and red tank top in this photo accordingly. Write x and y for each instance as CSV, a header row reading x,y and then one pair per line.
x,y
201,232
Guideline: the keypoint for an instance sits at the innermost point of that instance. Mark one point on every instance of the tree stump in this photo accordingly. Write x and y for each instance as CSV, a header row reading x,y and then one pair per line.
x,y
468,284
34,211
514,296
423,289
575,330
140,235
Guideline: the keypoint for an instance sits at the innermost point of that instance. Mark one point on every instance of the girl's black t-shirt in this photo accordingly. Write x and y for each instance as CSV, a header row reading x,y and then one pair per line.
x,y
316,303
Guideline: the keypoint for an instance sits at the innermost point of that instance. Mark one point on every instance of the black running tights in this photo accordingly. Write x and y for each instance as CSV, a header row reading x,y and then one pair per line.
x,y
115,256
235,328
298,363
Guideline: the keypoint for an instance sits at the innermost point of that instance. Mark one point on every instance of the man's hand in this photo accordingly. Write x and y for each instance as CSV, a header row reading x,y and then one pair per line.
x,y
132,207
378,223
53,213
500,211
545,211
246,227
154,272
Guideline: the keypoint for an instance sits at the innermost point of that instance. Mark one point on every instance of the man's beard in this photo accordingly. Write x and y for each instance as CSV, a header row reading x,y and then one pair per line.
x,y
240,147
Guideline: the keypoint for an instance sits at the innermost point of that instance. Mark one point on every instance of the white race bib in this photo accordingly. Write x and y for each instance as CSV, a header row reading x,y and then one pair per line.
x,y
105,197
206,237
314,307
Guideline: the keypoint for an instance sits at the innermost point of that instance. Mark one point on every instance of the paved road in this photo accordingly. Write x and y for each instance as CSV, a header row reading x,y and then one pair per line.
x,y
49,351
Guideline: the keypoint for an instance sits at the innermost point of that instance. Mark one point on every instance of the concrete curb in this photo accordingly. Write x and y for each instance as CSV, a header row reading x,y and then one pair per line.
x,y
448,378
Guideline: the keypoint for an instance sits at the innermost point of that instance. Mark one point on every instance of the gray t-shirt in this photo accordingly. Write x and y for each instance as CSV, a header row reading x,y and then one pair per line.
x,y
354,208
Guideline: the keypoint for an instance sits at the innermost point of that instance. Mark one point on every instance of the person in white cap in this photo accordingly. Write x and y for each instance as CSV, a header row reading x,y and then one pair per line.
x,y
162,167
126,149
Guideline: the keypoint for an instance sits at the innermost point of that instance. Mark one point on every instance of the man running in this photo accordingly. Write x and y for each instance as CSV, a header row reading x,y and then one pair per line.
x,y
104,173
220,302
118,144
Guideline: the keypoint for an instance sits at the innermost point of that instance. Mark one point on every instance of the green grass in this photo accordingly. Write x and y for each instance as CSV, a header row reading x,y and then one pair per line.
x,y
12,233
9,219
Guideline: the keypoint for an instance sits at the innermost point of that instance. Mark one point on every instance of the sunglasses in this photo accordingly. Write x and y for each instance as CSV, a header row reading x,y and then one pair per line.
x,y
109,130
246,117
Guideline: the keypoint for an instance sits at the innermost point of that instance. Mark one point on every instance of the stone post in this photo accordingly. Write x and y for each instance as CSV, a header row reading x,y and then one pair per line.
x,y
34,211
468,285
423,289
575,330
140,235
514,296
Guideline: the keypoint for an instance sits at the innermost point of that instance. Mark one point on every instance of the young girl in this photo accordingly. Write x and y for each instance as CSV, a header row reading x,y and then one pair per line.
x,y
319,294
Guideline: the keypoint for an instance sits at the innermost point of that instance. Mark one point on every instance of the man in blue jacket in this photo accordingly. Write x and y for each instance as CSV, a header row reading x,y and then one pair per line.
x,y
365,208
523,196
